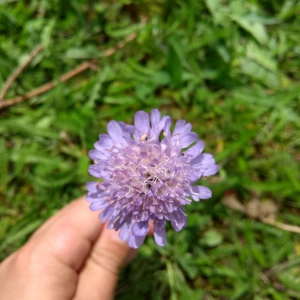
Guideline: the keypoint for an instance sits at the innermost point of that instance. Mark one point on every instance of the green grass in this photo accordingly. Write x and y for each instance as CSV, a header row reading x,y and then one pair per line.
x,y
231,68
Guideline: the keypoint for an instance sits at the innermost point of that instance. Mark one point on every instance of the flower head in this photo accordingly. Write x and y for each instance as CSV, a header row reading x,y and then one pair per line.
x,y
148,175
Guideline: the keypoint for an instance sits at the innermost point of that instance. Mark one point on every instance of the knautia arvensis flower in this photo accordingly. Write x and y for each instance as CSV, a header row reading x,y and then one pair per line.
x,y
148,175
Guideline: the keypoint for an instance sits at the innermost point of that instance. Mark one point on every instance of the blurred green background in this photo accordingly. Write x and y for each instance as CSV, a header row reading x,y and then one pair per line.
x,y
231,68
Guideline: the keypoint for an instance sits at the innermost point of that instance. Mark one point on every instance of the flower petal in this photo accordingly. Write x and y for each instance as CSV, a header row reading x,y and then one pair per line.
x,y
178,225
140,228
182,128
115,132
160,235
188,139
200,192
206,164
96,155
141,121
99,196
178,219
135,241
155,118
195,150
211,170
94,171
125,231
128,131
98,205
91,186
106,213
105,142
166,125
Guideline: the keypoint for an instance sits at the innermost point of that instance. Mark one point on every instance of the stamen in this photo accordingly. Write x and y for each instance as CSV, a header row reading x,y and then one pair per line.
x,y
143,137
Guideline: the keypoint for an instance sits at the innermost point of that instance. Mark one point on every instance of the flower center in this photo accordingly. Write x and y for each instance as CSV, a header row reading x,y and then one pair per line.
x,y
149,170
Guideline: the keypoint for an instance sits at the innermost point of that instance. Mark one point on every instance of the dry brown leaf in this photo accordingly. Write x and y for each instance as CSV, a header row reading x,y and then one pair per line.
x,y
253,208
268,209
234,204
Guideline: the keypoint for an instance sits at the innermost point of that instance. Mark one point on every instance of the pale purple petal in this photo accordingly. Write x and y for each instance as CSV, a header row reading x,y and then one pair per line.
x,y
200,192
128,131
182,128
94,171
166,123
91,186
105,142
140,228
204,158
96,155
211,170
93,197
178,219
155,118
141,121
205,163
195,150
107,213
135,241
98,205
188,139
125,231
178,225
115,132
160,235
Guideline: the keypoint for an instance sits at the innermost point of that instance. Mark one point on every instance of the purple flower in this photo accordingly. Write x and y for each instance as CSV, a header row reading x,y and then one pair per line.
x,y
148,175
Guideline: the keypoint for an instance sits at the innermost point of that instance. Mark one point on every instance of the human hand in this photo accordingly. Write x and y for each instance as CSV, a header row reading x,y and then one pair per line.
x,y
72,256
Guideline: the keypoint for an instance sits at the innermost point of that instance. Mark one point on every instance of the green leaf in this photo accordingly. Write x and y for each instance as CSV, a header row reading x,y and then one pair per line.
x,y
27,229
254,27
47,33
174,67
211,238
262,57
3,166
82,53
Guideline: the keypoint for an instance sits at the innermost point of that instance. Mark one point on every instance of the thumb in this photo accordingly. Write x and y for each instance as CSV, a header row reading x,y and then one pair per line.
x,y
99,275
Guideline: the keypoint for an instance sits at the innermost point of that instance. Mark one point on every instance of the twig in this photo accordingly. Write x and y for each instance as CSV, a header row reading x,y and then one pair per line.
x,y
258,211
286,227
48,86
120,45
18,71
74,72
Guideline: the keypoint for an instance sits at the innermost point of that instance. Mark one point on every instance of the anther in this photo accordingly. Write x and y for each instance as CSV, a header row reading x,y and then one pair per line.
x,y
143,137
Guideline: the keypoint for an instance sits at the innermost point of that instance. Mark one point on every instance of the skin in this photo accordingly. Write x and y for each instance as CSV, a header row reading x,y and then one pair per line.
x,y
71,256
